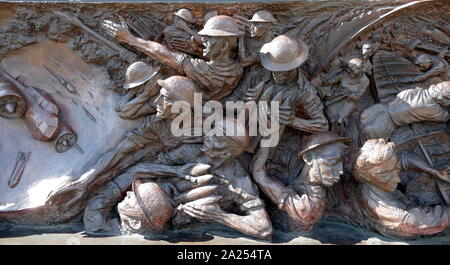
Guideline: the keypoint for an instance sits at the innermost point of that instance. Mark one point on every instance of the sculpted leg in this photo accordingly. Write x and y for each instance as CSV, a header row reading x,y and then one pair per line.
x,y
97,215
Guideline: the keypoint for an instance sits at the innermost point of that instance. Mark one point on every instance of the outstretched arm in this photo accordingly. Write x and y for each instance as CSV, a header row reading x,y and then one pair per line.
x,y
395,218
255,223
153,49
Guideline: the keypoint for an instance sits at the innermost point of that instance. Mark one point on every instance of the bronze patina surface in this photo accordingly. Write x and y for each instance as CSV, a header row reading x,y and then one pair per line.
x,y
87,92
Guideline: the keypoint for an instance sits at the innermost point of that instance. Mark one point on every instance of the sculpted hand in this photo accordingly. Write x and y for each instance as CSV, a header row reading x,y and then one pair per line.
x,y
250,94
180,43
253,93
286,115
118,31
204,212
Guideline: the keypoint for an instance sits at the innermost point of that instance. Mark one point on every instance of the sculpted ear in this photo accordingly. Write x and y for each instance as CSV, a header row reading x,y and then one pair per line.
x,y
225,45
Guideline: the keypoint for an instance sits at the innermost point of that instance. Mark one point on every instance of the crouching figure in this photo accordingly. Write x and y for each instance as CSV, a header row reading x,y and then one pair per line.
x,y
386,207
304,200
201,182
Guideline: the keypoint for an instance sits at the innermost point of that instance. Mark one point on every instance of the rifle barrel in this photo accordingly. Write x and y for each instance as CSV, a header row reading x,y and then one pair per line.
x,y
12,80
121,50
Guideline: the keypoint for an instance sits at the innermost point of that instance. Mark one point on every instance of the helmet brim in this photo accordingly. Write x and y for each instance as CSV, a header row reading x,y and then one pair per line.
x,y
270,65
345,140
219,33
259,20
148,76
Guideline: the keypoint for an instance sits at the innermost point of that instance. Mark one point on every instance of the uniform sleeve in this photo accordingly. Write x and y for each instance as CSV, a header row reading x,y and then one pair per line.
x,y
312,117
197,70
154,132
306,209
394,217
313,107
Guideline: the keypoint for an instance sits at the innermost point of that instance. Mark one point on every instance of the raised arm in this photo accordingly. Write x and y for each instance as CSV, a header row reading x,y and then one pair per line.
x,y
243,58
153,49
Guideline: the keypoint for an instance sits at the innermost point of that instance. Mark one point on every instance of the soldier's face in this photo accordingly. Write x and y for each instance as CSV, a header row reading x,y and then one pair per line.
x,y
367,51
257,29
211,46
284,77
326,164
164,106
354,69
385,176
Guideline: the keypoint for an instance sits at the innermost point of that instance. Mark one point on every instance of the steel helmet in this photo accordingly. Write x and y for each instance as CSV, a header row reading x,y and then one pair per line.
x,y
179,87
319,139
263,16
185,14
137,74
221,26
283,54
154,202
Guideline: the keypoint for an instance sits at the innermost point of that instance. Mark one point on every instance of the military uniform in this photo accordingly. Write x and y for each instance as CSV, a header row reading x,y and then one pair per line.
x,y
394,214
216,78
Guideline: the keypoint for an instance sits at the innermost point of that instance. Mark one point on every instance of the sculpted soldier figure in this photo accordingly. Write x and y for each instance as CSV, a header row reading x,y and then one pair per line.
x,y
435,69
260,33
229,198
304,200
301,108
137,102
180,36
283,57
387,208
217,77
342,100
367,50
143,143
409,106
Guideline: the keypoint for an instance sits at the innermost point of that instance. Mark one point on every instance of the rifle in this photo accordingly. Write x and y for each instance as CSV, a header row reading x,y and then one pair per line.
x,y
124,53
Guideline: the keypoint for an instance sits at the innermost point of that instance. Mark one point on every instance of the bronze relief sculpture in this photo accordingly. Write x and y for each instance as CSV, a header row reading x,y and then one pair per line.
x,y
362,99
